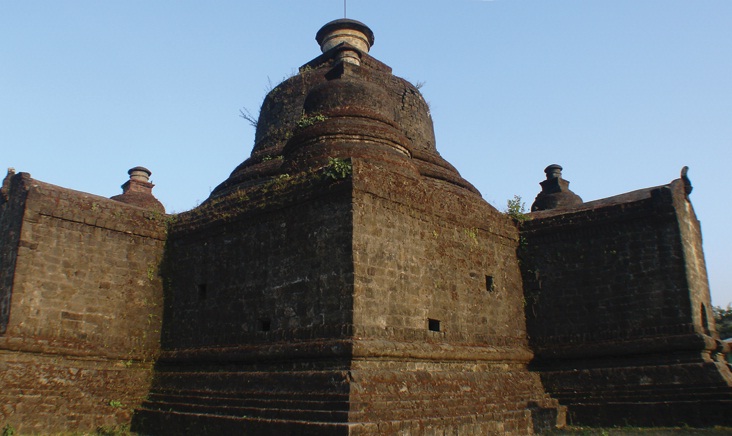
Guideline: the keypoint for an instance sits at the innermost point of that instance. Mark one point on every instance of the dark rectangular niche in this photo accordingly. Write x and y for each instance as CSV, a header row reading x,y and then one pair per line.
x,y
490,284
202,291
265,325
433,325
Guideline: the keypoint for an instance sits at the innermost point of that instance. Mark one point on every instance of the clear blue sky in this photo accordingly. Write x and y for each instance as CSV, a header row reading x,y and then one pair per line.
x,y
621,93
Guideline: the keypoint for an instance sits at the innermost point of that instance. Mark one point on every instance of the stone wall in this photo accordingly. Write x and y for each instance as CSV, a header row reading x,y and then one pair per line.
x,y
695,266
427,250
261,267
439,329
85,307
617,308
598,274
319,308
258,311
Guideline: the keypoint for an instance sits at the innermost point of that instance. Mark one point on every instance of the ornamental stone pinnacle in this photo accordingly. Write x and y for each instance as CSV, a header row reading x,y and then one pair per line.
x,y
137,191
350,34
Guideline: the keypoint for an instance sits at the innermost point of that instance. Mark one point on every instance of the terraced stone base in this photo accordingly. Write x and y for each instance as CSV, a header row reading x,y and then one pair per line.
x,y
373,397
683,394
186,423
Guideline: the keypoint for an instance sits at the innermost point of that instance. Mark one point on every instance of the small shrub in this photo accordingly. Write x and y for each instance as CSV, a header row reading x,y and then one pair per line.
x,y
516,209
151,271
307,121
338,169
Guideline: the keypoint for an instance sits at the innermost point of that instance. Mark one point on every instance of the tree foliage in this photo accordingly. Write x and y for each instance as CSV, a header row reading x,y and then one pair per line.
x,y
723,319
516,208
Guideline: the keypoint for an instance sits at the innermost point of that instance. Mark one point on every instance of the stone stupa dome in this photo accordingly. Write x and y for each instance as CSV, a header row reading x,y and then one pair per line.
x,y
343,103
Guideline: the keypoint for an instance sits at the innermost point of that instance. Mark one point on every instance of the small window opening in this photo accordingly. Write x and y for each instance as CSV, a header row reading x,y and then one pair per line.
x,y
433,325
265,325
490,284
705,320
202,291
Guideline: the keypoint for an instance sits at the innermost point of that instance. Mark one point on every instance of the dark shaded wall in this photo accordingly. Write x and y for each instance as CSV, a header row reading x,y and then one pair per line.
x,y
85,307
617,307
12,206
258,311
256,269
